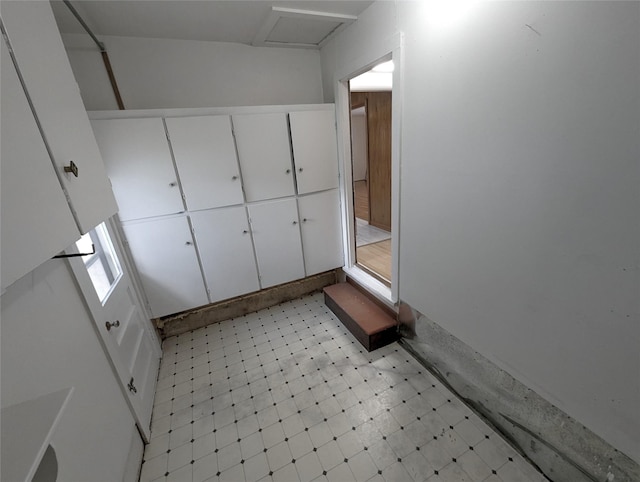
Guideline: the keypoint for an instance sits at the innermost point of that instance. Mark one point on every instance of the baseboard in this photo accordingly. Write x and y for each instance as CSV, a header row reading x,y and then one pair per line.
x,y
241,305
562,448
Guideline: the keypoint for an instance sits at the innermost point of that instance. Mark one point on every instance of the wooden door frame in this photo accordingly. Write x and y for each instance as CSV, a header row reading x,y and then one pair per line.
x,y
392,49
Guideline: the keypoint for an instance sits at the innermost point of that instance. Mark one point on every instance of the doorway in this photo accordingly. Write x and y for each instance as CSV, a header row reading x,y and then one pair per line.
x,y
370,102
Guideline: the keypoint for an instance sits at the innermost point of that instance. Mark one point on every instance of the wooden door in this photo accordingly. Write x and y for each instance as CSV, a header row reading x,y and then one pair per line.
x,y
315,150
138,161
379,169
165,257
321,231
265,155
205,156
226,252
36,219
125,332
276,235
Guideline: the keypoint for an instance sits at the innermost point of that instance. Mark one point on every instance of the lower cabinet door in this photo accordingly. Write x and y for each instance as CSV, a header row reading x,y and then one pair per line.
x,y
276,235
226,252
321,231
165,256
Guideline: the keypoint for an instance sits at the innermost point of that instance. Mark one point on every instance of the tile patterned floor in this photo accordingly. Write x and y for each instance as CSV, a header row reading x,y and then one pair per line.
x,y
287,394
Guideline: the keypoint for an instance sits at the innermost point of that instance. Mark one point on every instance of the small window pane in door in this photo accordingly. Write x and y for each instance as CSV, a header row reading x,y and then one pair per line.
x,y
103,265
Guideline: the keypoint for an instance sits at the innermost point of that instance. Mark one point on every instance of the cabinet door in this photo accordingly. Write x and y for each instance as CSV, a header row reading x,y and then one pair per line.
x,y
276,236
205,156
321,231
226,252
48,78
265,155
138,160
165,256
36,220
315,150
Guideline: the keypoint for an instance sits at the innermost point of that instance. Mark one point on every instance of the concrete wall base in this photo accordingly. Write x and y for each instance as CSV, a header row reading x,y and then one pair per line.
x,y
561,448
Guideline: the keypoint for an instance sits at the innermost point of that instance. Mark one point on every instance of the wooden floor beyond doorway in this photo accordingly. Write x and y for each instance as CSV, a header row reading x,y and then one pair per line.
x,y
376,258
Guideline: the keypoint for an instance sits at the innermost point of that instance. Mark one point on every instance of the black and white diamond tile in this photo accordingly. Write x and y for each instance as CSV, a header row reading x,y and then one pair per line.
x,y
287,394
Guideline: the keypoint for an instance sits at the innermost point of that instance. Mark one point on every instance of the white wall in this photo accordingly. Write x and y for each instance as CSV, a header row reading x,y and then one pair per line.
x,y
359,146
520,231
49,343
160,73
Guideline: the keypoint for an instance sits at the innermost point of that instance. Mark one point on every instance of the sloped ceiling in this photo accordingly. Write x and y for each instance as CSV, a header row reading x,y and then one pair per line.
x,y
302,24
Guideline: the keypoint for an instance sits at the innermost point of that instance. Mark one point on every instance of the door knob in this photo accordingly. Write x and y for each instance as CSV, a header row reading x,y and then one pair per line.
x,y
110,325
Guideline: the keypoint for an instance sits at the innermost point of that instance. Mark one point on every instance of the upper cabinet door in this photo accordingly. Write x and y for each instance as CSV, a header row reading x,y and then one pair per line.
x,y
315,150
36,219
276,236
43,63
205,156
265,155
321,231
226,251
138,161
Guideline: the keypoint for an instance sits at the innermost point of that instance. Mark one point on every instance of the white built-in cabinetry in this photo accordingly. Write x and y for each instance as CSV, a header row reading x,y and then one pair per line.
x,y
223,202
44,129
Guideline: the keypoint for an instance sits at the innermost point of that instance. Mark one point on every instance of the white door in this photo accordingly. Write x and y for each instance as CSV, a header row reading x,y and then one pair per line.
x,y
315,150
276,235
138,161
165,257
265,155
205,156
226,252
321,231
43,62
126,333
32,200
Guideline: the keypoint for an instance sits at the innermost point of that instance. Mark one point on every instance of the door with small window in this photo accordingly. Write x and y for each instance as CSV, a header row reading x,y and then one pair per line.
x,y
120,319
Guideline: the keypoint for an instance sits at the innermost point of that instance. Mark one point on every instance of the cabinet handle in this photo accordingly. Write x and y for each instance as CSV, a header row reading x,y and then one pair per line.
x,y
288,171
72,168
173,184
245,232
110,325
188,243
295,222
304,220
234,178
300,170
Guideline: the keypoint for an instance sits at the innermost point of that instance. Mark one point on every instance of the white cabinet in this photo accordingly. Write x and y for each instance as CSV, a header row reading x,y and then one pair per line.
x,y
265,155
138,161
166,259
226,251
43,63
321,231
36,220
315,150
276,236
205,156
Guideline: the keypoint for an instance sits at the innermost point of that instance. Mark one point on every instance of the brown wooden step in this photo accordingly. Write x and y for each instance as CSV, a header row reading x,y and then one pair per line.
x,y
369,323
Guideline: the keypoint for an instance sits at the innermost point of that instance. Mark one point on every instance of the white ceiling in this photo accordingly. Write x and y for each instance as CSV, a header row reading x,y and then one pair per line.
x,y
238,21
